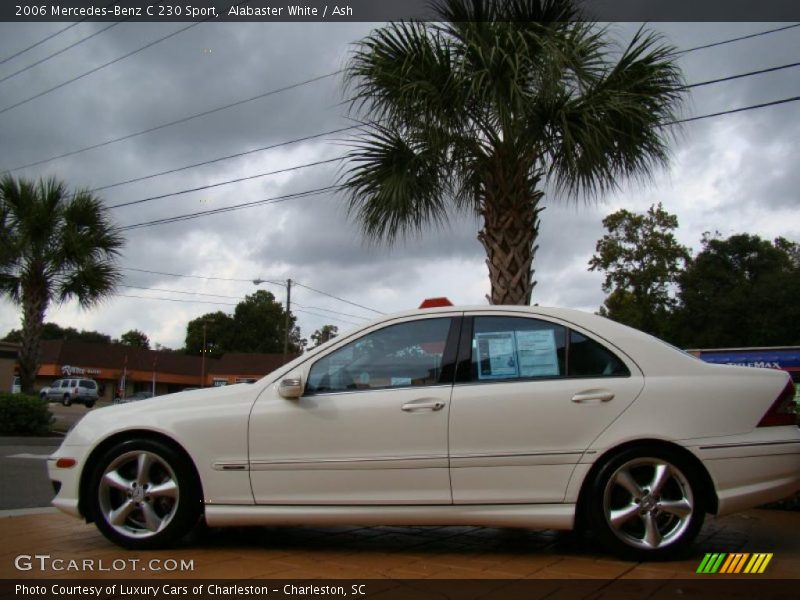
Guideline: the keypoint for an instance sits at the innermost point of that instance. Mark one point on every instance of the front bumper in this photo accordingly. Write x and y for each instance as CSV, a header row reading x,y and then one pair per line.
x,y
66,482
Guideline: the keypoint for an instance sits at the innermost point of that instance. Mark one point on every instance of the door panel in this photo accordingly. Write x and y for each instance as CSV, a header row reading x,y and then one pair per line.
x,y
523,422
372,427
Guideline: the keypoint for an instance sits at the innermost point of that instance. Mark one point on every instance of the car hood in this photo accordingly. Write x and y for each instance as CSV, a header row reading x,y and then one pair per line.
x,y
164,413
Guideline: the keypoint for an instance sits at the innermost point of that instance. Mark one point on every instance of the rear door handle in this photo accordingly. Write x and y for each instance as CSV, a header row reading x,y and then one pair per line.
x,y
593,396
415,406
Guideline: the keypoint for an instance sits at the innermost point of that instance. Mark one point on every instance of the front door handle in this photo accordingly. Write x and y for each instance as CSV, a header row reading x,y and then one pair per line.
x,y
415,406
593,396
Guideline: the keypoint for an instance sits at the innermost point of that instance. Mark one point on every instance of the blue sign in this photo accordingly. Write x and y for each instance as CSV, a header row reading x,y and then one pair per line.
x,y
771,359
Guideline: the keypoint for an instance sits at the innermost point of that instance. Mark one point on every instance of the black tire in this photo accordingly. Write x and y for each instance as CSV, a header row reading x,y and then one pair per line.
x,y
645,503
66,400
89,403
145,519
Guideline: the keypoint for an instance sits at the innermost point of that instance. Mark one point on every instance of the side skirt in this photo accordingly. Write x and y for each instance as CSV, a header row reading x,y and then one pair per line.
x,y
545,516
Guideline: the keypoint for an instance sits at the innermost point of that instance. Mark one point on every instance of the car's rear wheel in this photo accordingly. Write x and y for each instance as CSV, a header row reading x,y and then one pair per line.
x,y
645,504
89,403
66,400
144,494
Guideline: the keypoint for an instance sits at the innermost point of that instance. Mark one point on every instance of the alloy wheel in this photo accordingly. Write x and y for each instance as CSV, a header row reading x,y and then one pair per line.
x,y
648,503
138,494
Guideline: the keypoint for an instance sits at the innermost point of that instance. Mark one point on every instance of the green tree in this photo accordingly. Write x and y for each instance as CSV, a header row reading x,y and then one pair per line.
x,y
54,246
257,325
260,325
54,331
641,260
135,338
324,334
215,328
740,291
476,113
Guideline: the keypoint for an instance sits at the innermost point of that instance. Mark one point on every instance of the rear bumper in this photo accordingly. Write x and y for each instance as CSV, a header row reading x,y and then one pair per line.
x,y
755,469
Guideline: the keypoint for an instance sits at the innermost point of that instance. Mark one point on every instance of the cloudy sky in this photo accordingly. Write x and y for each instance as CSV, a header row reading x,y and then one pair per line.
x,y
736,173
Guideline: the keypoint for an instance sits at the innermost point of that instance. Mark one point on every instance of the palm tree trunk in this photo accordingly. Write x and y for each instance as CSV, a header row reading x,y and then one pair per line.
x,y
510,229
34,305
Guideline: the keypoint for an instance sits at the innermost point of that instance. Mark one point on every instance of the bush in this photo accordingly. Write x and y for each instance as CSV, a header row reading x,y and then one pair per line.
x,y
24,415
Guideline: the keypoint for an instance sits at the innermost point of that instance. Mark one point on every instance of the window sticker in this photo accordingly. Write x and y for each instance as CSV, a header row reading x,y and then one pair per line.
x,y
537,353
400,381
497,358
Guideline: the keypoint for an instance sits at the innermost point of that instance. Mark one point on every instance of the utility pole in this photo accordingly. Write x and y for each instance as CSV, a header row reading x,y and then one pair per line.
x,y
203,361
288,309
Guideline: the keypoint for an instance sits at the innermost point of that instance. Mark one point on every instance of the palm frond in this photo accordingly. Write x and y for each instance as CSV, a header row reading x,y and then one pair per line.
x,y
396,183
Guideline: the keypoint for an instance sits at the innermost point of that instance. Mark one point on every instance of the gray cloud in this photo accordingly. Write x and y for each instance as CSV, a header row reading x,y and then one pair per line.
x,y
735,172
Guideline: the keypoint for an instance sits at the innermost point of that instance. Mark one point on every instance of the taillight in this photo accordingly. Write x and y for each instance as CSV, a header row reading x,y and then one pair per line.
x,y
782,411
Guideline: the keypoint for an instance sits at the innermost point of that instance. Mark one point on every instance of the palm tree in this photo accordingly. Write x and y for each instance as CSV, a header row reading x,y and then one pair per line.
x,y
56,246
479,112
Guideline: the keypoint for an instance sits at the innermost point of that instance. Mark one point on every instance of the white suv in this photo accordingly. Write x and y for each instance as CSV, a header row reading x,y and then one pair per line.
x,y
68,391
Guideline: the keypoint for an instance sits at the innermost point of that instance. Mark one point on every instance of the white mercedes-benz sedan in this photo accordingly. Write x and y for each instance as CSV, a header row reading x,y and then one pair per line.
x,y
505,416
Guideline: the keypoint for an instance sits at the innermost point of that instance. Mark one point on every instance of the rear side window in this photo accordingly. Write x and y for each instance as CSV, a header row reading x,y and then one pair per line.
x,y
508,348
88,384
587,358
517,348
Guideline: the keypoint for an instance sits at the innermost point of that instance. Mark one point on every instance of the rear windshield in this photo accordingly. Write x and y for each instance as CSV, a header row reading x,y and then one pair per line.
x,y
88,383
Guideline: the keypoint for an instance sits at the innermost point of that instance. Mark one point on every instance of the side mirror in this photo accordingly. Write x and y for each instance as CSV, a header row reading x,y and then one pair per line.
x,y
291,388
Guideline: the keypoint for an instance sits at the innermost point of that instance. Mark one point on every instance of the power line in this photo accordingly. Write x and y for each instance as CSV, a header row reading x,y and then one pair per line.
x,y
191,293
59,32
186,276
170,123
308,312
335,312
136,287
42,41
227,182
103,66
54,54
205,187
276,199
338,298
197,214
737,39
128,136
213,278
174,299
736,110
741,75
221,158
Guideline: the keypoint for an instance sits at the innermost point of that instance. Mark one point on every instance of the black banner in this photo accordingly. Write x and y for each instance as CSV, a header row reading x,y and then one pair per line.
x,y
745,587
375,10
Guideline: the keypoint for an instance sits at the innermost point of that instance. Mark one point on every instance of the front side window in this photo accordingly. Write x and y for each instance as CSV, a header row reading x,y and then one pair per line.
x,y
517,348
402,355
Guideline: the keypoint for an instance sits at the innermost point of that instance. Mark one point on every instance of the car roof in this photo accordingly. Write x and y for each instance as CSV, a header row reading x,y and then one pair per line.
x,y
649,353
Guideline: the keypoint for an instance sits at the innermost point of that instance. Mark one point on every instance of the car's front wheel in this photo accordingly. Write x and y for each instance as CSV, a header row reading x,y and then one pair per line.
x,y
144,494
645,504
